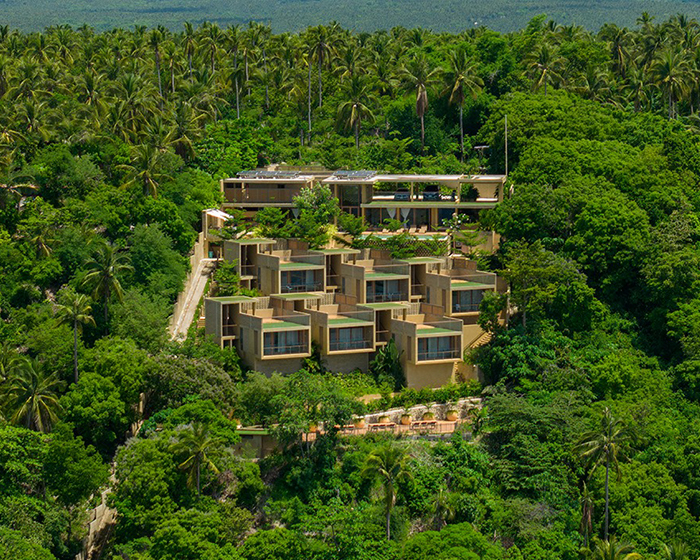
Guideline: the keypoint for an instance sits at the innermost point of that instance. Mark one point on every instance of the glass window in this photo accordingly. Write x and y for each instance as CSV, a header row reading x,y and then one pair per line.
x,y
438,348
465,301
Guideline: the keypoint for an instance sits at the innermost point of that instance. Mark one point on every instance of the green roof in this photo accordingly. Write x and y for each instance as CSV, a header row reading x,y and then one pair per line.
x,y
421,260
337,251
232,299
260,432
297,296
384,276
282,325
347,321
254,240
436,330
468,284
385,305
299,266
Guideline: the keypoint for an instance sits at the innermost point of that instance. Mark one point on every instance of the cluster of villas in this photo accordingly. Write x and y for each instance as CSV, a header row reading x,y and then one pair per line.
x,y
352,302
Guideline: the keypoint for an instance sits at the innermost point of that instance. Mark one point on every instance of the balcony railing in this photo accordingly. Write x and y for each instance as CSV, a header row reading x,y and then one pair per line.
x,y
439,355
299,288
381,298
261,195
465,307
229,330
286,349
383,336
351,345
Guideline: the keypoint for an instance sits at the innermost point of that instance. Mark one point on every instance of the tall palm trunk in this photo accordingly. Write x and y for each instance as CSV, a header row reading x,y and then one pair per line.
x,y
422,133
607,498
267,87
189,63
461,132
320,81
160,83
357,134
75,349
309,112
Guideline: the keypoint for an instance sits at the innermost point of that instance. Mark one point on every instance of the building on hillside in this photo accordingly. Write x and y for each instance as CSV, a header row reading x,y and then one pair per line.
x,y
351,303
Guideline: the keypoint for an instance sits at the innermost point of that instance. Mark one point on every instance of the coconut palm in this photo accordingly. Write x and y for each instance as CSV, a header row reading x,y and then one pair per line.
x,y
75,312
675,550
546,65
324,42
196,447
104,270
462,80
145,169
604,446
587,503
10,360
388,464
31,396
672,73
357,107
418,77
613,550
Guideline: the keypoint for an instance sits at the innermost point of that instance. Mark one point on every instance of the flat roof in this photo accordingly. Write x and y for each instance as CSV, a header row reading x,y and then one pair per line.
x,y
427,330
232,299
385,276
282,325
254,241
381,306
347,321
296,296
468,284
337,251
422,260
299,266
271,180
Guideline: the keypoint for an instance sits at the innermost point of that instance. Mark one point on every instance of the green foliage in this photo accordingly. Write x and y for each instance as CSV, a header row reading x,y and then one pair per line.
x,y
386,367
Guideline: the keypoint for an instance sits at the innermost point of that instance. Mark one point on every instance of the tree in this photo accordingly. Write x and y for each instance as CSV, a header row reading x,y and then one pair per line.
x,y
672,73
357,107
104,270
388,464
604,446
31,397
462,80
418,77
195,445
146,169
613,550
546,66
75,312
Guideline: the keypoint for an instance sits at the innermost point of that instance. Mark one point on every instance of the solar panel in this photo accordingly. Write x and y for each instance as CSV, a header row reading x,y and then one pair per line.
x,y
348,175
265,174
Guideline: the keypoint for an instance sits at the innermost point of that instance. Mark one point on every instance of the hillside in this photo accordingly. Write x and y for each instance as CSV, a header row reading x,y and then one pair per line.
x,y
361,15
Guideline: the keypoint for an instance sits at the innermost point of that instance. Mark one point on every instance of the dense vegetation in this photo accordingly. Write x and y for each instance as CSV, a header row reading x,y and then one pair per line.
x,y
111,145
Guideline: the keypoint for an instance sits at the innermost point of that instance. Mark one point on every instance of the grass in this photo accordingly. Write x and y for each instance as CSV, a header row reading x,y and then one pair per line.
x,y
360,15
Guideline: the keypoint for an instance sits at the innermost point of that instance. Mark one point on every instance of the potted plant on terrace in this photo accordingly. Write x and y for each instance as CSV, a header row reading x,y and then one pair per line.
x,y
451,412
358,422
429,414
406,416
384,419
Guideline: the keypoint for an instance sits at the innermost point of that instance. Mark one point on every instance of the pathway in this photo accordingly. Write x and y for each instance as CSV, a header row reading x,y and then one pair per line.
x,y
189,299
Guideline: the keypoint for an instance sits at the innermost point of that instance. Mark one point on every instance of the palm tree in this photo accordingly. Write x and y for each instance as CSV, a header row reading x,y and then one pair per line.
x,y
675,550
155,39
76,313
462,80
31,396
103,276
418,77
603,446
145,169
360,98
586,502
613,550
196,445
672,72
190,45
324,43
10,360
545,65
388,464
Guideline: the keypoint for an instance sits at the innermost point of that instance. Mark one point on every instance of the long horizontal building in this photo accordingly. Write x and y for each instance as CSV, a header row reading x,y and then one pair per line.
x,y
419,201
350,303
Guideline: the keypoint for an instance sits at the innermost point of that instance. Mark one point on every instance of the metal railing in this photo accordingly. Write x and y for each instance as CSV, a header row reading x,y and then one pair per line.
x,y
261,194
439,355
229,330
381,298
351,345
383,336
280,350
465,307
298,288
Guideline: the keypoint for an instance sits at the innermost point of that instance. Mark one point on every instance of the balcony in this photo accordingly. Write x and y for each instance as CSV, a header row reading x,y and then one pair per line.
x,y
351,345
465,307
381,298
436,355
285,349
229,330
260,195
301,288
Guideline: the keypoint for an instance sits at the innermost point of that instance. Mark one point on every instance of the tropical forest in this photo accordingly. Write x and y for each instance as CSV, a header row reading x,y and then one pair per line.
x,y
584,440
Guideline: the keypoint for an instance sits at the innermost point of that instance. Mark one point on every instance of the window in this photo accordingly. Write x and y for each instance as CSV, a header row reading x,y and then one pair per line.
x,y
285,342
465,301
384,290
438,348
300,281
348,338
